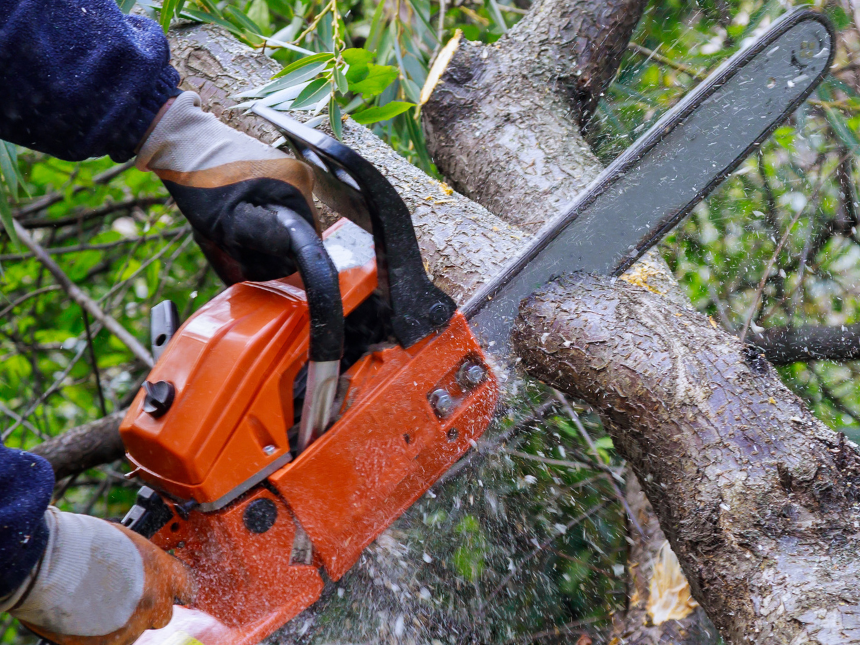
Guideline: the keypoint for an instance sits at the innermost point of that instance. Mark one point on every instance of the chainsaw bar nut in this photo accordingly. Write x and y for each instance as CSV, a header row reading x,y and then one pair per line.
x,y
471,375
442,402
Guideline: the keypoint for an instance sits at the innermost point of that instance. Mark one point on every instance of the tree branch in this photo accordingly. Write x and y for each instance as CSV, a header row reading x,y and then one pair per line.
x,y
757,497
786,345
75,293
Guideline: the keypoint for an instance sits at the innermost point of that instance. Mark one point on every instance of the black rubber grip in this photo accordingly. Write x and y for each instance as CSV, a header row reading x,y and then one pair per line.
x,y
319,276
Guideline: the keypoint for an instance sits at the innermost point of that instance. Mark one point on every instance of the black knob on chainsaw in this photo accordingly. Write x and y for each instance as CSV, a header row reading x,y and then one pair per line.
x,y
159,397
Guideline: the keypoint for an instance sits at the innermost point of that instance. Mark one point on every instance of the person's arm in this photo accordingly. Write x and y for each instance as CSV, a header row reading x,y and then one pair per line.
x,y
76,579
26,483
79,78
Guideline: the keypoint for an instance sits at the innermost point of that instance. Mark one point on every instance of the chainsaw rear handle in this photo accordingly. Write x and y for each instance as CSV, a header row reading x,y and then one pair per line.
x,y
319,276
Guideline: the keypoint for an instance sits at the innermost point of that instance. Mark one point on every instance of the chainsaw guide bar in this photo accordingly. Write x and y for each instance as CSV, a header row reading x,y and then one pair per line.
x,y
657,181
268,465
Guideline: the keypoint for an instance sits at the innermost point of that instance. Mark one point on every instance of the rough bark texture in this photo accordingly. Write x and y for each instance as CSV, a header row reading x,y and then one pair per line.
x,y
87,446
502,121
757,498
511,109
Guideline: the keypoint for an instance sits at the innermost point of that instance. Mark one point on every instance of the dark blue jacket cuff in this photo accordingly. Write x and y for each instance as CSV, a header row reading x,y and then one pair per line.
x,y
26,484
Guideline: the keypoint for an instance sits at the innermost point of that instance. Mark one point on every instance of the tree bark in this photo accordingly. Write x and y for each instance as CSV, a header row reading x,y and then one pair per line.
x,y
757,497
501,123
785,345
87,446
509,108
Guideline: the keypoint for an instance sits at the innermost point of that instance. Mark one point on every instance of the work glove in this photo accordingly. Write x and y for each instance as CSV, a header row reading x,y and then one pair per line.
x,y
222,180
98,583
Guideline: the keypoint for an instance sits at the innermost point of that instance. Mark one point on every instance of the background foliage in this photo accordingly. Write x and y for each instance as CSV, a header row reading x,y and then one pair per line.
x,y
115,232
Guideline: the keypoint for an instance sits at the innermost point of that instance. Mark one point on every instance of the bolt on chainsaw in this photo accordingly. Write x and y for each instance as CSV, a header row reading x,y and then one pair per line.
x,y
286,424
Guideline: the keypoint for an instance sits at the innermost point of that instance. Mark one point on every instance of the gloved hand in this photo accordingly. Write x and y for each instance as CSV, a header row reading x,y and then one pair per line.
x,y
98,583
221,180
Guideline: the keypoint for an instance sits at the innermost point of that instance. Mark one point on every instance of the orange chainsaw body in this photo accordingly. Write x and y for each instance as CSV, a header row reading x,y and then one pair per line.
x,y
233,365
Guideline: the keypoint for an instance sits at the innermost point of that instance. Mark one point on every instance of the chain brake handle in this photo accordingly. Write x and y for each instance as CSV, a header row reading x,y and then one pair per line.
x,y
351,186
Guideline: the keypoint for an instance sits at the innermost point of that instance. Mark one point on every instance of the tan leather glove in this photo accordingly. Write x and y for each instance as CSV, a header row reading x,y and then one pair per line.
x,y
223,181
99,583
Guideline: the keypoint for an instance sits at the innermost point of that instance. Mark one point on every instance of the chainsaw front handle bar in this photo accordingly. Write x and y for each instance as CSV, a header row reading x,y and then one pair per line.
x,y
320,280
351,186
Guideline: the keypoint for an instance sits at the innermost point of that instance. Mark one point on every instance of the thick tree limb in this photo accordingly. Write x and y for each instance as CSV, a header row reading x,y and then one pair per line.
x,y
785,345
493,112
757,497
501,123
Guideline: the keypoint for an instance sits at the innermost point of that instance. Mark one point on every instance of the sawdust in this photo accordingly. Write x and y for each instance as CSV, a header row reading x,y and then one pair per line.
x,y
669,592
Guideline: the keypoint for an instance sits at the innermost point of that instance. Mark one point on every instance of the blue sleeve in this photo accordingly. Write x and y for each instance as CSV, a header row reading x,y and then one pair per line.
x,y
26,484
79,79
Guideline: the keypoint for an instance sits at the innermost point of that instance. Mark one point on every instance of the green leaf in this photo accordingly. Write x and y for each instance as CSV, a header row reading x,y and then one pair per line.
x,y
6,215
334,118
168,9
304,62
312,94
340,81
258,12
418,143
244,21
497,16
357,58
299,76
377,28
204,17
211,7
7,167
377,79
382,113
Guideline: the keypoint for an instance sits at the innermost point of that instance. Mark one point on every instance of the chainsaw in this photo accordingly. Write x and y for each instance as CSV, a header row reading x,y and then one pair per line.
x,y
286,424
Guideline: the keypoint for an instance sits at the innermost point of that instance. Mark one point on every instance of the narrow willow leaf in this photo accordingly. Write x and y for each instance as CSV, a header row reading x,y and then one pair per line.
x,y
497,16
287,94
167,9
312,94
6,215
376,27
282,43
258,13
417,138
340,81
334,118
382,113
211,7
413,92
425,20
244,21
301,75
202,16
10,173
325,32
314,122
325,57
126,5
